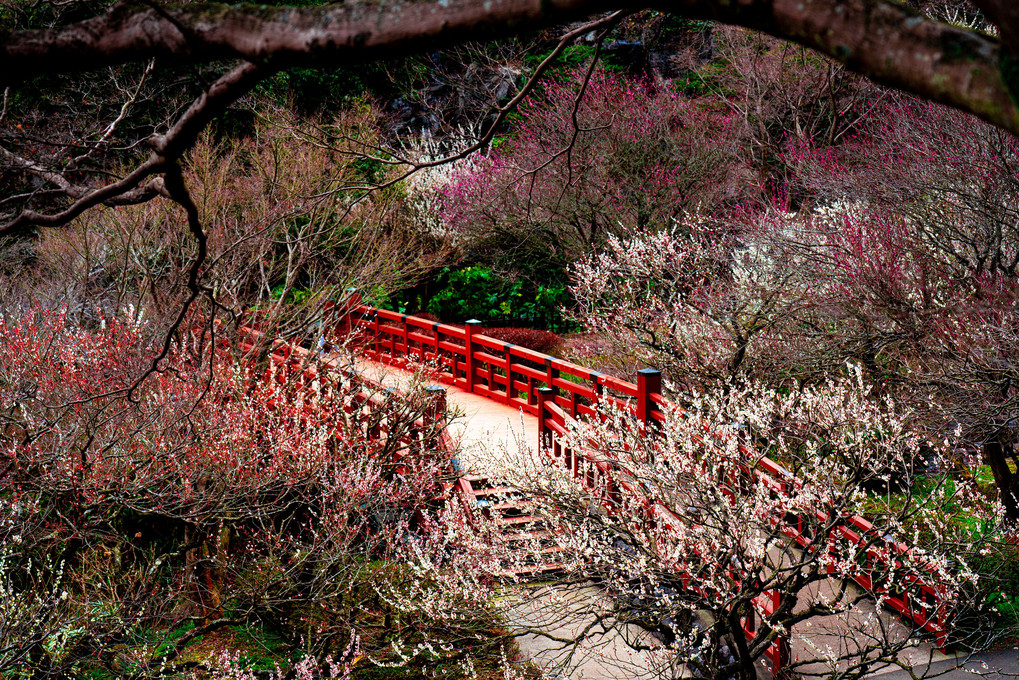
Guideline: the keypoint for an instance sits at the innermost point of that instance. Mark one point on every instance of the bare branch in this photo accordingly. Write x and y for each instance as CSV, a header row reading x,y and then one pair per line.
x,y
166,150
131,99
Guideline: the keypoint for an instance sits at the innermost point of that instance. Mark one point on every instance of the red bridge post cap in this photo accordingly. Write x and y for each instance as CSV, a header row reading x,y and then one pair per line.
x,y
473,322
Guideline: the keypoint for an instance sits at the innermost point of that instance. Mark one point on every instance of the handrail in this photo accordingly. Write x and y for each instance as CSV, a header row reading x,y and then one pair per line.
x,y
499,370
559,392
309,373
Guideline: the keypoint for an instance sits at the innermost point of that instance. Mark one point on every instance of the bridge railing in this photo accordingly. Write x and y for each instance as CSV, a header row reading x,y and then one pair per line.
x,y
619,492
559,392
373,407
499,370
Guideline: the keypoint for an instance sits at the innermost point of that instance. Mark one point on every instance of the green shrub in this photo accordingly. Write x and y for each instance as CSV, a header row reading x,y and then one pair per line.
x,y
999,569
478,293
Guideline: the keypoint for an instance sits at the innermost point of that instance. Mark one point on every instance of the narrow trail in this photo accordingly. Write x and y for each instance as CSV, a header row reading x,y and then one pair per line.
x,y
483,428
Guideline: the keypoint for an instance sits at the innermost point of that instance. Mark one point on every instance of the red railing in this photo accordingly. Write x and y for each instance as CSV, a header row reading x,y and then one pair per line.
x,y
601,475
501,371
558,392
316,378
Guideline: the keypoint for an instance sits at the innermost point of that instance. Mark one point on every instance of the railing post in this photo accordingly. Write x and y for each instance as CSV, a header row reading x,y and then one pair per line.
x,y
545,395
435,409
406,337
346,310
649,381
783,657
376,333
470,328
436,396
551,375
508,351
599,388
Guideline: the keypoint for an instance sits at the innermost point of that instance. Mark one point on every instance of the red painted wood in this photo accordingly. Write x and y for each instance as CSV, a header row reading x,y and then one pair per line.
x,y
481,355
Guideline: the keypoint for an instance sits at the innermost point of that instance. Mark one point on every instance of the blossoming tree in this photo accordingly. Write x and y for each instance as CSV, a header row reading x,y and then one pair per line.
x,y
733,530
592,158
138,519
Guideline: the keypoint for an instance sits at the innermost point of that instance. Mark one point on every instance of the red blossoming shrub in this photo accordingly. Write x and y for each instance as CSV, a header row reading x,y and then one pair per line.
x,y
531,338
132,524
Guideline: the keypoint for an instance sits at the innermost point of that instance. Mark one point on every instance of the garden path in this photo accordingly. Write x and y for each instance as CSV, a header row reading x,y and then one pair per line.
x,y
485,429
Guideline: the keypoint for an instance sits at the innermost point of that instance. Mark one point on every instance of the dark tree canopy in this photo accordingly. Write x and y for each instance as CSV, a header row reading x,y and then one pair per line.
x,y
884,40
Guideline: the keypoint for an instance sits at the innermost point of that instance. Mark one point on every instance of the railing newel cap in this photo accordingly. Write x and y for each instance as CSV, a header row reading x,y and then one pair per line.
x,y
472,322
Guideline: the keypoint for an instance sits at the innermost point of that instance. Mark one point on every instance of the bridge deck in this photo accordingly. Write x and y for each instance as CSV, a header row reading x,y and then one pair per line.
x,y
485,429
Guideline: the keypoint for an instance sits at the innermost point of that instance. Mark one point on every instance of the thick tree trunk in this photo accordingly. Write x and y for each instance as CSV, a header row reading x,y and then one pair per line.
x,y
996,453
882,39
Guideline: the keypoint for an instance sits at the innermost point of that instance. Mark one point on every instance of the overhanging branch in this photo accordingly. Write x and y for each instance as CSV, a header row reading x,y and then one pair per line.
x,y
878,38
141,185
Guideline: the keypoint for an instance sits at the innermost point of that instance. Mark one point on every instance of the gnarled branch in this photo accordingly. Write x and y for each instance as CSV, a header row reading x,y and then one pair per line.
x,y
884,40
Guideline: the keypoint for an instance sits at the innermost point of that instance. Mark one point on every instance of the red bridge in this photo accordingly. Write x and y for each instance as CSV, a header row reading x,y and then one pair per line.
x,y
556,394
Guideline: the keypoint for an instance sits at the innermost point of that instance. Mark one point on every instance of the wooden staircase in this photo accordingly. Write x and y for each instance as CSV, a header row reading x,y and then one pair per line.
x,y
504,510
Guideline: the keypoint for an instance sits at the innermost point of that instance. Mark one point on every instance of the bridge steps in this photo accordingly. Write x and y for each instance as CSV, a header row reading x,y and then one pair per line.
x,y
516,528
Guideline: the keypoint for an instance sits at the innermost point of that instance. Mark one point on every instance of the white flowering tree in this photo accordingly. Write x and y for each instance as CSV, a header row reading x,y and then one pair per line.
x,y
698,300
757,519
787,297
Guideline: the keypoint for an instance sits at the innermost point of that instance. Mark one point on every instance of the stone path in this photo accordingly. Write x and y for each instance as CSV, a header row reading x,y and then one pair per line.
x,y
1001,664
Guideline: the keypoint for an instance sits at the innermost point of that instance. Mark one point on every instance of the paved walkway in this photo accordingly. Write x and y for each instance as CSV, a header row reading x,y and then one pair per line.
x,y
1001,664
486,430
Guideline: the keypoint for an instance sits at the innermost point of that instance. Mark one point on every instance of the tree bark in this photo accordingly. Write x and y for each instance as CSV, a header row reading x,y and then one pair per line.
x,y
996,454
884,40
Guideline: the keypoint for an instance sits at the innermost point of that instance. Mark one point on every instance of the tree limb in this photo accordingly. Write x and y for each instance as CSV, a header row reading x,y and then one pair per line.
x,y
167,149
886,41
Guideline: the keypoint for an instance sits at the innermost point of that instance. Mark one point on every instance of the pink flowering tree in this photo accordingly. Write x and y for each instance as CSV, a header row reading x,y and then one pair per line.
x,y
939,301
588,161
779,93
207,499
783,297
